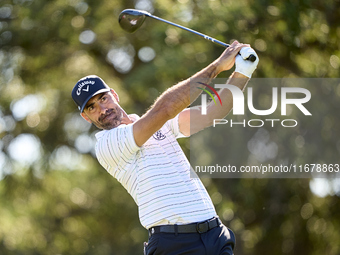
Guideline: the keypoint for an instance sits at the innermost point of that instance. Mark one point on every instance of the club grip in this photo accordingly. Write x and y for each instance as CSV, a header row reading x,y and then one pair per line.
x,y
252,58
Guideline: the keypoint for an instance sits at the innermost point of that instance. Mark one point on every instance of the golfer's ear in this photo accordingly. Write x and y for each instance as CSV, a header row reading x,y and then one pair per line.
x,y
85,117
114,93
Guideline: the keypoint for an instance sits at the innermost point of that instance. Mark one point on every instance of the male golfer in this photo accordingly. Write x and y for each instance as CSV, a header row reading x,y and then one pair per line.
x,y
144,156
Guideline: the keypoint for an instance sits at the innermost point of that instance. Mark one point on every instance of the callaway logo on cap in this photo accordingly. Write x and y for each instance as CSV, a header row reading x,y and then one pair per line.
x,y
86,88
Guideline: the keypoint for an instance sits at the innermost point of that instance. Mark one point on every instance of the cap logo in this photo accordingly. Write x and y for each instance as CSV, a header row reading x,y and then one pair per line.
x,y
81,85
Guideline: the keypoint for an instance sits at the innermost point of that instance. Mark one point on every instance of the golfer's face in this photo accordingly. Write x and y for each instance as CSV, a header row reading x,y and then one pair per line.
x,y
104,111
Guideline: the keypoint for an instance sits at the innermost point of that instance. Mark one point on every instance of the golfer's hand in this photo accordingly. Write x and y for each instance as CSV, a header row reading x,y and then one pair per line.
x,y
244,66
227,59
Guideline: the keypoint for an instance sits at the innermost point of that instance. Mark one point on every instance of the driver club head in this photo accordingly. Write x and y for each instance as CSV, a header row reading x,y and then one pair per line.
x,y
131,20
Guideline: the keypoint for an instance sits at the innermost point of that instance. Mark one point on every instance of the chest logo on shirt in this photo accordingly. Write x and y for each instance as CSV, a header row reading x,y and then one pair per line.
x,y
159,136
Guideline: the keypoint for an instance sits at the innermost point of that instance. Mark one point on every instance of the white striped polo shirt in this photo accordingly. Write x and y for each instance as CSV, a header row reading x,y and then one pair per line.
x,y
156,175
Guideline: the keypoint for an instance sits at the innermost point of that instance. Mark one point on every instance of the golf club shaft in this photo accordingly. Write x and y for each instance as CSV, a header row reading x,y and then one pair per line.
x,y
251,58
190,30
131,19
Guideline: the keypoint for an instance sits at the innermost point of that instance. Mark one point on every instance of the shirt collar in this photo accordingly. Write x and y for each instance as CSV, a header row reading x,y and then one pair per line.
x,y
100,134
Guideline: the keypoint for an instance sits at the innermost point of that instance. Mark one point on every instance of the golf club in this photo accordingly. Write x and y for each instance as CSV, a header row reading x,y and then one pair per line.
x,y
131,20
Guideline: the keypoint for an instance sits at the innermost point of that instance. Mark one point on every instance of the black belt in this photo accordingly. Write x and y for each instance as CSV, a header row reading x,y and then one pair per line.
x,y
198,227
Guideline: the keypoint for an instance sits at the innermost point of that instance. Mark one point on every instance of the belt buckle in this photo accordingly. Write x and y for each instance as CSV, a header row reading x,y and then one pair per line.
x,y
151,231
198,228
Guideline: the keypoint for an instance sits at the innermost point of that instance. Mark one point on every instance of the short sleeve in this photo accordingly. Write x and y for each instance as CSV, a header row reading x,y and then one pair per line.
x,y
116,148
174,127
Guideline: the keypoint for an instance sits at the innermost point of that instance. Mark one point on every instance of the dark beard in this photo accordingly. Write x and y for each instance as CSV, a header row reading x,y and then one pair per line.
x,y
107,121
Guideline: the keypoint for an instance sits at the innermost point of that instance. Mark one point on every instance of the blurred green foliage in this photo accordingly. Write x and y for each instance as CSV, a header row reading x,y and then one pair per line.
x,y
54,196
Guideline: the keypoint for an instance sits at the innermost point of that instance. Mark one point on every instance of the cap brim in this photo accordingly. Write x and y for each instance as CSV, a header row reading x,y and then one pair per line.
x,y
96,93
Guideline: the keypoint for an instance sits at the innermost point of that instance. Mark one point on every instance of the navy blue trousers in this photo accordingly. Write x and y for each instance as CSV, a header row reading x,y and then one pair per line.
x,y
217,241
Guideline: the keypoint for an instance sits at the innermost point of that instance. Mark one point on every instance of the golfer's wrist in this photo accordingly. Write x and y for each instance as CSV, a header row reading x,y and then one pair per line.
x,y
239,75
238,80
217,68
